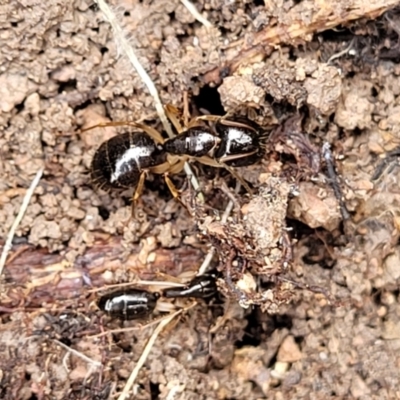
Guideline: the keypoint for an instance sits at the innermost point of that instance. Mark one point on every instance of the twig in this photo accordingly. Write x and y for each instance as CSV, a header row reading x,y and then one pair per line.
x,y
18,219
128,50
292,29
93,363
150,343
327,155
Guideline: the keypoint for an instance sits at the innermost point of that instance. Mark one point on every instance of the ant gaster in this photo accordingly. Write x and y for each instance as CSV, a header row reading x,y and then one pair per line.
x,y
123,161
129,304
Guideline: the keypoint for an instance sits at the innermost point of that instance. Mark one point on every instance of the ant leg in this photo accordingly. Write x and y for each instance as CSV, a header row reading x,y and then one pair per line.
x,y
186,112
138,191
213,163
174,116
182,121
198,121
187,121
154,134
177,166
166,169
172,188
231,196
312,288
239,178
174,191
210,118
223,120
215,118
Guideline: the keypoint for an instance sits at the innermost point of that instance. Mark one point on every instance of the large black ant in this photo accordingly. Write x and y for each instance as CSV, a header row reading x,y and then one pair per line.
x,y
123,161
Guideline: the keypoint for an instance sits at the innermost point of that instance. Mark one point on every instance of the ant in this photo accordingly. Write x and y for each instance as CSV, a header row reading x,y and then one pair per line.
x,y
134,303
123,161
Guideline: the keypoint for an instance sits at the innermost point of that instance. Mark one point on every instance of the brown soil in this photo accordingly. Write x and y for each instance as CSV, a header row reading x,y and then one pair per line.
x,y
307,77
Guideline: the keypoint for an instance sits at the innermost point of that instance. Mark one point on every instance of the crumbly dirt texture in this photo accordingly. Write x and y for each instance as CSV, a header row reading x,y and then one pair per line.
x,y
307,72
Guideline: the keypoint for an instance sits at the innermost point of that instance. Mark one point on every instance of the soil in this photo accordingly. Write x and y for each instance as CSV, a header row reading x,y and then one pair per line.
x,y
333,331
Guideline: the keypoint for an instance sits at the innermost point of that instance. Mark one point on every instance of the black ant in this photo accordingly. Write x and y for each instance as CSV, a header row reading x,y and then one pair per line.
x,y
123,161
134,303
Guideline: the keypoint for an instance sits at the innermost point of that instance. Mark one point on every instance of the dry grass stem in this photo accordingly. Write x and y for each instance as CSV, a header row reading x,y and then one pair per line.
x,y
18,219
128,50
136,283
129,329
204,266
193,10
93,363
341,53
150,343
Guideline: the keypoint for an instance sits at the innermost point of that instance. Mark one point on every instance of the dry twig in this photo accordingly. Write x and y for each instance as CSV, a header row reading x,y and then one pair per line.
x,y
51,278
293,28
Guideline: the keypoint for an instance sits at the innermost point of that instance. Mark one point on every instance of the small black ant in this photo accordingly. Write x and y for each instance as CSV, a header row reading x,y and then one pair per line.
x,y
123,161
133,303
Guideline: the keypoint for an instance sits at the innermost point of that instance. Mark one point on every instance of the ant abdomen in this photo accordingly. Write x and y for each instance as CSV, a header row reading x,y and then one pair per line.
x,y
119,162
129,304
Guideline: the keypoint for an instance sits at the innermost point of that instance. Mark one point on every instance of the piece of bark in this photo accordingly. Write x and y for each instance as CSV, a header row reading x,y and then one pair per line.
x,y
299,24
35,277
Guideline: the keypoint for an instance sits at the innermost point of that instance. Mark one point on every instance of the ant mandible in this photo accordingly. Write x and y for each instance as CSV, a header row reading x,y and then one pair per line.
x,y
123,161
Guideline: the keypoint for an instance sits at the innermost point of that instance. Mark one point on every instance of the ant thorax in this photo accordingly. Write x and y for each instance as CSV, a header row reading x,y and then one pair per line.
x,y
254,248
195,142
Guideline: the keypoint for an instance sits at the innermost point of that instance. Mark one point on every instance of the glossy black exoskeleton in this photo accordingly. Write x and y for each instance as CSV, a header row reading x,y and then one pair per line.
x,y
122,161
119,162
241,143
198,141
129,304
200,287
232,143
